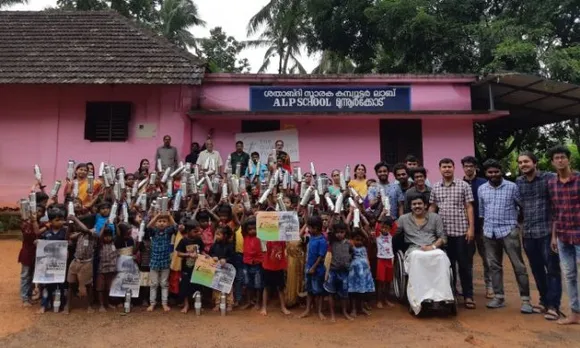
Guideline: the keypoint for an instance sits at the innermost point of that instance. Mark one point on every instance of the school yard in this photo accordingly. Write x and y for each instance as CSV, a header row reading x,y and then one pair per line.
x,y
21,327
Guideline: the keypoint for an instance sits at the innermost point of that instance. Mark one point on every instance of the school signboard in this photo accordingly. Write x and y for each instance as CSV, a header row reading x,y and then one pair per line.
x,y
330,99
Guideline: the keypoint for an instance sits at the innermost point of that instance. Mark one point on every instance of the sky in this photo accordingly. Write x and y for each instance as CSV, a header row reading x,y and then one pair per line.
x,y
231,15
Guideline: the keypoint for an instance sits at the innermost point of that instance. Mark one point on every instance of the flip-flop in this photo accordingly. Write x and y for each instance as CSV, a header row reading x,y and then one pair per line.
x,y
469,304
551,315
539,309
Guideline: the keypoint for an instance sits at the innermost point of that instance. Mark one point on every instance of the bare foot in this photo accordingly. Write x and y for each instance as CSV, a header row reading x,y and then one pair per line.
x,y
112,307
380,305
264,312
229,308
332,319
257,307
185,310
285,311
102,309
166,308
573,319
353,314
366,311
366,306
65,310
216,308
321,316
389,304
304,314
247,305
150,308
26,304
90,310
41,310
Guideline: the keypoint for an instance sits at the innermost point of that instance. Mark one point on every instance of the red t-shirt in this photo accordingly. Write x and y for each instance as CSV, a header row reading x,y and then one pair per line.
x,y
253,250
275,256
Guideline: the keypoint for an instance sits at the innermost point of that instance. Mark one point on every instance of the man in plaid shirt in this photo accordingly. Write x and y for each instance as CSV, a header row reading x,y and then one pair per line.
x,y
454,201
564,193
545,264
499,202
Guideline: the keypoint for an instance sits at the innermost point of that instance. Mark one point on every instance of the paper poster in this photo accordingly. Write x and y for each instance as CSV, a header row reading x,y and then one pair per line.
x,y
144,279
264,142
50,264
208,272
278,226
128,278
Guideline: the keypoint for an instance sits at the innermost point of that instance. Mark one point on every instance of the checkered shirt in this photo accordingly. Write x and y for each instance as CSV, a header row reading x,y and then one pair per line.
x,y
451,202
161,248
536,205
565,198
498,206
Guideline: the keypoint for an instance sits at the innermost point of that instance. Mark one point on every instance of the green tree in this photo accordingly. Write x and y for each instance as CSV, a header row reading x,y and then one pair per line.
x,y
332,63
222,51
8,3
170,18
175,19
280,27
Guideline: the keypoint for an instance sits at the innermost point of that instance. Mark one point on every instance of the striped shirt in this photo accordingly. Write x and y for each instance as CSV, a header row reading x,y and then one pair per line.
x,y
498,206
535,204
451,201
565,198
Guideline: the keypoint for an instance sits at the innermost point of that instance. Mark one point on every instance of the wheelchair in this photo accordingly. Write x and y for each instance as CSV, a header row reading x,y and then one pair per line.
x,y
400,281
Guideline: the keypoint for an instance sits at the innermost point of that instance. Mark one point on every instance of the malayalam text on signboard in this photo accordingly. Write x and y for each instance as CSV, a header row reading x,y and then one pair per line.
x,y
330,99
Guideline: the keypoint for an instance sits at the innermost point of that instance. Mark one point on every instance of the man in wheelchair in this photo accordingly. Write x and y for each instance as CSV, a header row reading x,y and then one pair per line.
x,y
423,265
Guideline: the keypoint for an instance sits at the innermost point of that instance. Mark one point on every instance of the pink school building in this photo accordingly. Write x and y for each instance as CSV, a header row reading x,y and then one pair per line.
x,y
92,86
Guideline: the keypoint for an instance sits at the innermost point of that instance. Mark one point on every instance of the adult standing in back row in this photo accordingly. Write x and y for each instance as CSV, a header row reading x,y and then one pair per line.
x,y
167,154
564,193
454,200
239,156
537,234
210,159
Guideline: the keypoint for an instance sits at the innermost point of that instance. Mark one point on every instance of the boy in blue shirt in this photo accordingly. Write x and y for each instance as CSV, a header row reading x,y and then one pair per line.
x,y
315,270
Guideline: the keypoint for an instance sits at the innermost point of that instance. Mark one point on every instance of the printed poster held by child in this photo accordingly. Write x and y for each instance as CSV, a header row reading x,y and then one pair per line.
x,y
278,226
210,273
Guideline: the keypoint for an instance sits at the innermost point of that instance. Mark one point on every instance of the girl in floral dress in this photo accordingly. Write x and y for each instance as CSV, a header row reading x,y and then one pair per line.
x,y
360,278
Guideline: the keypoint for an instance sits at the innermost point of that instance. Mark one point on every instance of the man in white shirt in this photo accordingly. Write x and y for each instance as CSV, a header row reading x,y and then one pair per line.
x,y
210,159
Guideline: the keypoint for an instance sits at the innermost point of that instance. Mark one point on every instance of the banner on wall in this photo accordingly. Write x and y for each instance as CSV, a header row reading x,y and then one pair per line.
x,y
330,99
263,143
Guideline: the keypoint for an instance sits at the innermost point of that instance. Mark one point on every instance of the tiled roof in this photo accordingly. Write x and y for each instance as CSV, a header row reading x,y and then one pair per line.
x,y
93,47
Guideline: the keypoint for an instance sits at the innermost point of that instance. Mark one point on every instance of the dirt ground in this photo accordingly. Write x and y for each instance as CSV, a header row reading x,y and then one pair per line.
x,y
505,327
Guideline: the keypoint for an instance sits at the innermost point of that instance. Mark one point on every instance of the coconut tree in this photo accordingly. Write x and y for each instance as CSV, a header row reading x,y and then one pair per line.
x,y
280,27
175,18
8,3
332,63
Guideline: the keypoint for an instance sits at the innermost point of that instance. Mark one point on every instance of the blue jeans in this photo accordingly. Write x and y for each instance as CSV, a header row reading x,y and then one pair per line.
x,y
545,265
26,273
238,263
569,257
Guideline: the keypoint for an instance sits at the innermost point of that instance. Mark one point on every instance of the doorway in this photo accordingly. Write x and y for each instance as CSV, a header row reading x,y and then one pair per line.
x,y
400,138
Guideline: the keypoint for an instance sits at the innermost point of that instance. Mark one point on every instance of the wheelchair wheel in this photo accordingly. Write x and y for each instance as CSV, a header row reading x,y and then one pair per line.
x,y
400,278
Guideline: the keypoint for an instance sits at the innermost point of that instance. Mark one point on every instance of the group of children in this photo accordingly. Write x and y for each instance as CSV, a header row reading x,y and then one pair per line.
x,y
340,254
